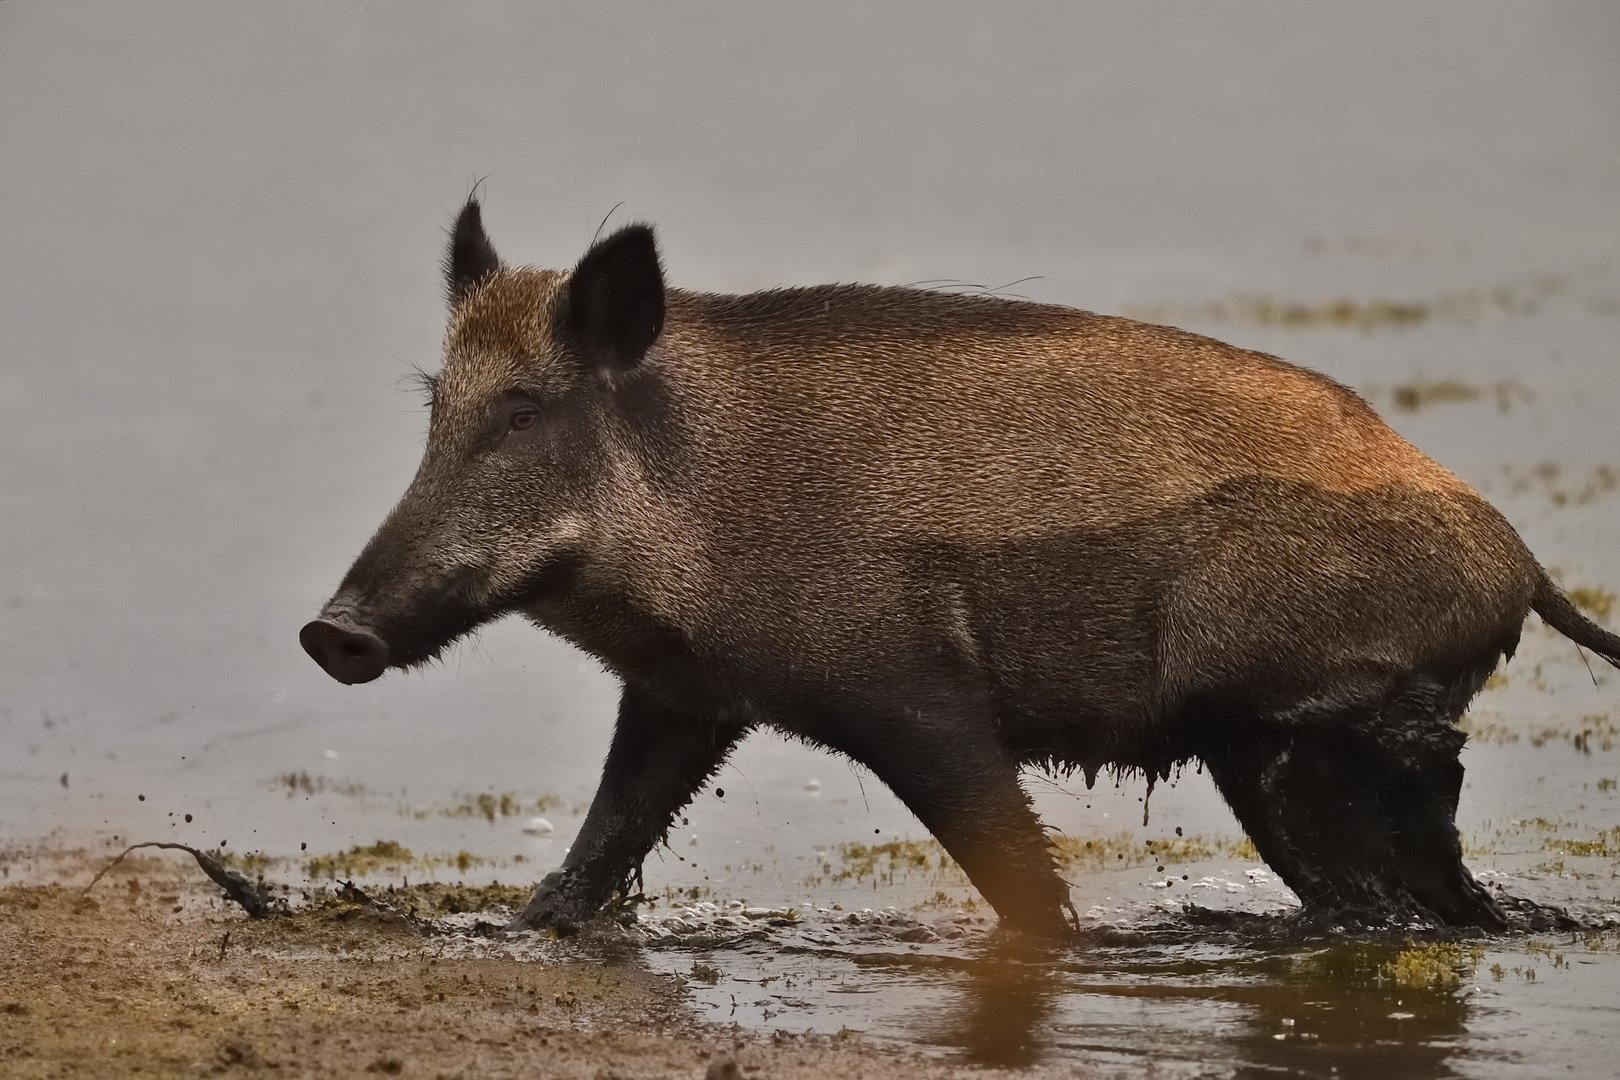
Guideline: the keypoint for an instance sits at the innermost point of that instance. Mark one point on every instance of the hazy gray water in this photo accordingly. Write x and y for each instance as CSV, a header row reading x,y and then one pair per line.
x,y
221,231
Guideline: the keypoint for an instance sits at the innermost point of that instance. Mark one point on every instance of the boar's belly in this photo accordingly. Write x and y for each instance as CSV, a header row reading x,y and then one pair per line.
x,y
1258,595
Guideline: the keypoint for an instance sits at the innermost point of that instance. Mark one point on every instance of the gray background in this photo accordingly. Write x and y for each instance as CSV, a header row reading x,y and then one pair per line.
x,y
221,227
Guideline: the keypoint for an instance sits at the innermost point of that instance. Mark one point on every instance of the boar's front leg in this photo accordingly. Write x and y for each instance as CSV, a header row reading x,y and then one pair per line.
x,y
659,758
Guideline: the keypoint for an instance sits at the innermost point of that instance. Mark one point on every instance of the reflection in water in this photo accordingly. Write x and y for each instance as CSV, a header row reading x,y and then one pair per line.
x,y
1259,1003
1006,1002
1333,1011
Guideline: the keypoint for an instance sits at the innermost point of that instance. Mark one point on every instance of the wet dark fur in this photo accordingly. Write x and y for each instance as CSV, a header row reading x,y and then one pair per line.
x,y
951,537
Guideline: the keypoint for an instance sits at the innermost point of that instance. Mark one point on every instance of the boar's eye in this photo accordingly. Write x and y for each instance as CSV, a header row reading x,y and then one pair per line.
x,y
513,412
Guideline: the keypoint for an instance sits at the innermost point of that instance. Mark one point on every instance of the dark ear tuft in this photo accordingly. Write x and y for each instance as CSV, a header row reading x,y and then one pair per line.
x,y
471,256
616,297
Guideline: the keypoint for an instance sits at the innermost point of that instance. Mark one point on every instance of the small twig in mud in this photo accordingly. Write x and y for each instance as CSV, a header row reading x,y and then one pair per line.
x,y
254,897
223,942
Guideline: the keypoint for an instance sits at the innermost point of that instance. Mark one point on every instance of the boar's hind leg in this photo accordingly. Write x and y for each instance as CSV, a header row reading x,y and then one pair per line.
x,y
660,756
1356,812
1419,780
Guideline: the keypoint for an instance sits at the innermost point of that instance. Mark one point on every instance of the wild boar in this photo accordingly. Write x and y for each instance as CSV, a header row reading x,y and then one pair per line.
x,y
952,536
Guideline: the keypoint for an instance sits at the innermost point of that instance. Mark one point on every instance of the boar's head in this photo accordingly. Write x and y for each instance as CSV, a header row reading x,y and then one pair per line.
x,y
518,443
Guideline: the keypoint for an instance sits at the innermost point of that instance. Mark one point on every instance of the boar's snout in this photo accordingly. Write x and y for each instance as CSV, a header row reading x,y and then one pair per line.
x,y
347,653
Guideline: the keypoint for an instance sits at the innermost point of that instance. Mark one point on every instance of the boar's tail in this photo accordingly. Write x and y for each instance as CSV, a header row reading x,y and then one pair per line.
x,y
1560,613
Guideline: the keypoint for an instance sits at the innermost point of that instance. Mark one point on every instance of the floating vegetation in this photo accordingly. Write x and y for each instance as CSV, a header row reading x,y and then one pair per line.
x,y
1541,948
1417,396
1347,313
685,895
359,861
486,805
889,862
1124,849
1486,731
296,783
1433,965
886,862
1498,972
1596,602
1540,824
463,861
1606,845
251,862
1565,490
1596,731
1266,311
391,857
1507,837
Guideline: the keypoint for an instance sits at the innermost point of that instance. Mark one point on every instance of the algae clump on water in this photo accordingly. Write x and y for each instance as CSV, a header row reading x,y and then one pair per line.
x,y
1433,965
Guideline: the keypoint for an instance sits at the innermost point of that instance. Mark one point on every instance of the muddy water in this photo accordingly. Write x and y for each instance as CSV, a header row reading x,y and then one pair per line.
x,y
221,235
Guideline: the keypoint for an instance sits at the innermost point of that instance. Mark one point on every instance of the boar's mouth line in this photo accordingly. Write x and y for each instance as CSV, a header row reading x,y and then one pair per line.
x,y
420,637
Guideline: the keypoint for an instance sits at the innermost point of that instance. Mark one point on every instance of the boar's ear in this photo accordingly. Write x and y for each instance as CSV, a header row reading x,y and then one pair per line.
x,y
616,297
471,256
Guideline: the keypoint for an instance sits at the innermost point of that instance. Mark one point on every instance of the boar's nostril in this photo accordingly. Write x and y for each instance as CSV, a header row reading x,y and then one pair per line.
x,y
347,654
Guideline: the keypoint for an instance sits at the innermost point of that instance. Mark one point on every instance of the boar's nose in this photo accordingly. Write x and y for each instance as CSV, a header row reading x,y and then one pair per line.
x,y
347,654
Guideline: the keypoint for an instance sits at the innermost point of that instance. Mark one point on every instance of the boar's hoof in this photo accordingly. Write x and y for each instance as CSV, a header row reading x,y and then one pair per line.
x,y
555,906
347,654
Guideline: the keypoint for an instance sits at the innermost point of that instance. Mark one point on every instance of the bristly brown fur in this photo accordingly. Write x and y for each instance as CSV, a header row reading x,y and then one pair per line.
x,y
949,535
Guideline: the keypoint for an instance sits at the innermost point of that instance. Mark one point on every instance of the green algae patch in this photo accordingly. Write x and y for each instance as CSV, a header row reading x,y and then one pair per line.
x,y
885,863
1566,489
491,806
1596,602
1596,731
1486,731
1433,965
895,860
302,783
1125,849
507,804
1414,397
360,861
1605,845
1347,313
249,862
392,857
1340,312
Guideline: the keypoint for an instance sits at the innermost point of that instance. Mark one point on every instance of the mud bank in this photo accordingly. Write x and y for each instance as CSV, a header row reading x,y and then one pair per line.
x,y
153,974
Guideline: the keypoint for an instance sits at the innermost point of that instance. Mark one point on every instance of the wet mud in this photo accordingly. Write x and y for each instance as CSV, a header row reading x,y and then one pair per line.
x,y
151,974
146,968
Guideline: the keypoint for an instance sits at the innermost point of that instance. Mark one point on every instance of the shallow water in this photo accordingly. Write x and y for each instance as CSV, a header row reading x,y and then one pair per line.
x,y
222,244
